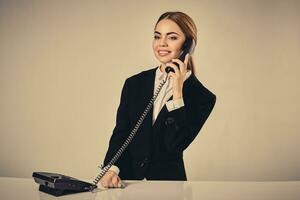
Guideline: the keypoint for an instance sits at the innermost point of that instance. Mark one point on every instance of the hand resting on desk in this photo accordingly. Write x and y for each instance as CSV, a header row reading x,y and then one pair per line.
x,y
111,180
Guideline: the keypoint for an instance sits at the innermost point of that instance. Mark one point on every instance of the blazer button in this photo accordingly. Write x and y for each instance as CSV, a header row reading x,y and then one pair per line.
x,y
169,121
144,162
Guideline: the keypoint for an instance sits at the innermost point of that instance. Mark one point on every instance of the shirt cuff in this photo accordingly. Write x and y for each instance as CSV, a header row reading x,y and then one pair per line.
x,y
115,169
174,104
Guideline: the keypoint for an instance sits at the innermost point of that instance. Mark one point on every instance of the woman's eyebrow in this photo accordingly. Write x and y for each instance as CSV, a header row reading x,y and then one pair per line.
x,y
169,33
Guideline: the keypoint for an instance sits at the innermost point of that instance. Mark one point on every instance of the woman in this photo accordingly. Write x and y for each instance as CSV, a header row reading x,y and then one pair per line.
x,y
178,113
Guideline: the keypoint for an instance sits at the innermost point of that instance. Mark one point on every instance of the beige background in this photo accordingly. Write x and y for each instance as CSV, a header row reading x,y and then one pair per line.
x,y
63,64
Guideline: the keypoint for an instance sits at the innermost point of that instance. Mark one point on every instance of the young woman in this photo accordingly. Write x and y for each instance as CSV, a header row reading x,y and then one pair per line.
x,y
178,113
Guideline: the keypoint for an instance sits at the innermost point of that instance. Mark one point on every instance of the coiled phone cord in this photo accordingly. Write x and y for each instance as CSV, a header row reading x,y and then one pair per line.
x,y
130,137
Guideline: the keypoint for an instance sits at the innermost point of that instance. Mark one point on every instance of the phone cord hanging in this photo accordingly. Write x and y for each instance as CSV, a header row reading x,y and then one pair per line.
x,y
130,137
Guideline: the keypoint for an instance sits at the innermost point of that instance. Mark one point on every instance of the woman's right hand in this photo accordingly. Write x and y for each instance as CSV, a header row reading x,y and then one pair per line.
x,y
111,180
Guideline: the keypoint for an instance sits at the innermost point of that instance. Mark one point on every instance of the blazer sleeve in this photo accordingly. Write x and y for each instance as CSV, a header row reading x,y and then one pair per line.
x,y
120,133
183,124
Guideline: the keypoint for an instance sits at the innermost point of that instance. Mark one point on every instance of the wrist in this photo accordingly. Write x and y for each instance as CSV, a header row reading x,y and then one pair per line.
x,y
177,95
114,169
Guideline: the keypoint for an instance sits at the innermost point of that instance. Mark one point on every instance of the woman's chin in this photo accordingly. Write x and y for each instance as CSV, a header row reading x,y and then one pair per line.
x,y
165,61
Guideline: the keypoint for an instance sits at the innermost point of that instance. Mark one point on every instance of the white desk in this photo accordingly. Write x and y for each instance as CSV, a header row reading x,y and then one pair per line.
x,y
19,188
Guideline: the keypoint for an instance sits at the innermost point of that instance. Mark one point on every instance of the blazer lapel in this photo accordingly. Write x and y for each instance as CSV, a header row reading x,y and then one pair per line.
x,y
149,89
161,115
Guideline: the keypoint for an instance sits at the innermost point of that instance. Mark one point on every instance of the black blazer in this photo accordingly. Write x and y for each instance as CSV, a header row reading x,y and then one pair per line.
x,y
156,152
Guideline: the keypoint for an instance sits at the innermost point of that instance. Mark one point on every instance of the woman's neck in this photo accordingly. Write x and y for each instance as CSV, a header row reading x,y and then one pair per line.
x,y
162,67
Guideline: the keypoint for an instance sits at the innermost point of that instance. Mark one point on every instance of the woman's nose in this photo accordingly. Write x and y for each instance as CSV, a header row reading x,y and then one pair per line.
x,y
163,42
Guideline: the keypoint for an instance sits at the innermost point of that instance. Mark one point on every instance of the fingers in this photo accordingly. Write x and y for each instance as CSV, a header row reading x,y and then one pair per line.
x,y
182,65
114,181
105,182
120,183
111,180
178,72
179,63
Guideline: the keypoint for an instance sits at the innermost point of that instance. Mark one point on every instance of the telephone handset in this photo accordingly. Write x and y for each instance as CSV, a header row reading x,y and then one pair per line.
x,y
188,47
58,184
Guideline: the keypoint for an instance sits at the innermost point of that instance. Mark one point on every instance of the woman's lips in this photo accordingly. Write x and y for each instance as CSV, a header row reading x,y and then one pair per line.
x,y
163,52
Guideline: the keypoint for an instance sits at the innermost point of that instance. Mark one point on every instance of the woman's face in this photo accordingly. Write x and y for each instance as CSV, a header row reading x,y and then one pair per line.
x,y
168,40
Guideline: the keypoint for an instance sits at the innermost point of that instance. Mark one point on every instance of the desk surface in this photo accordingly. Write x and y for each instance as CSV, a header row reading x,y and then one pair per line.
x,y
22,188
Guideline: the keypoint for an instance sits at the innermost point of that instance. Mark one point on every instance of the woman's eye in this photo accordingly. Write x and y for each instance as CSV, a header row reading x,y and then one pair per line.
x,y
173,38
156,37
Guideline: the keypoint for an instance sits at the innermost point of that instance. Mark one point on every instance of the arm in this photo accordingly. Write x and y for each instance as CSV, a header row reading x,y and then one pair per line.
x,y
120,133
184,123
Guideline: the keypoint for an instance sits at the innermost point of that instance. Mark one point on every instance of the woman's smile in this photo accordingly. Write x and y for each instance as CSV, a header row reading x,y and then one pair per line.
x,y
163,52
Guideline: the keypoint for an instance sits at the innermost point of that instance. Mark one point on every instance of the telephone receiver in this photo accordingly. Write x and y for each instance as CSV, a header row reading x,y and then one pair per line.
x,y
188,47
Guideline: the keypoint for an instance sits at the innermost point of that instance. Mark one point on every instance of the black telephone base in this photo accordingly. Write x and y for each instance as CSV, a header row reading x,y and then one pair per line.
x,y
58,184
56,192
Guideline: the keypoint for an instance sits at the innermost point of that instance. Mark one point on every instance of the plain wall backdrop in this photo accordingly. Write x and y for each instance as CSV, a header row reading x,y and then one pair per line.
x,y
63,65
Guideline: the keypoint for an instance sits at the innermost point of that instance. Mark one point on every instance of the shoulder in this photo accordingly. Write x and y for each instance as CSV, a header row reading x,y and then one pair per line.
x,y
195,89
143,74
142,77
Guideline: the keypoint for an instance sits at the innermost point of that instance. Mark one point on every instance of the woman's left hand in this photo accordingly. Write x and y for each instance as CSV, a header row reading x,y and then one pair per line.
x,y
179,76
